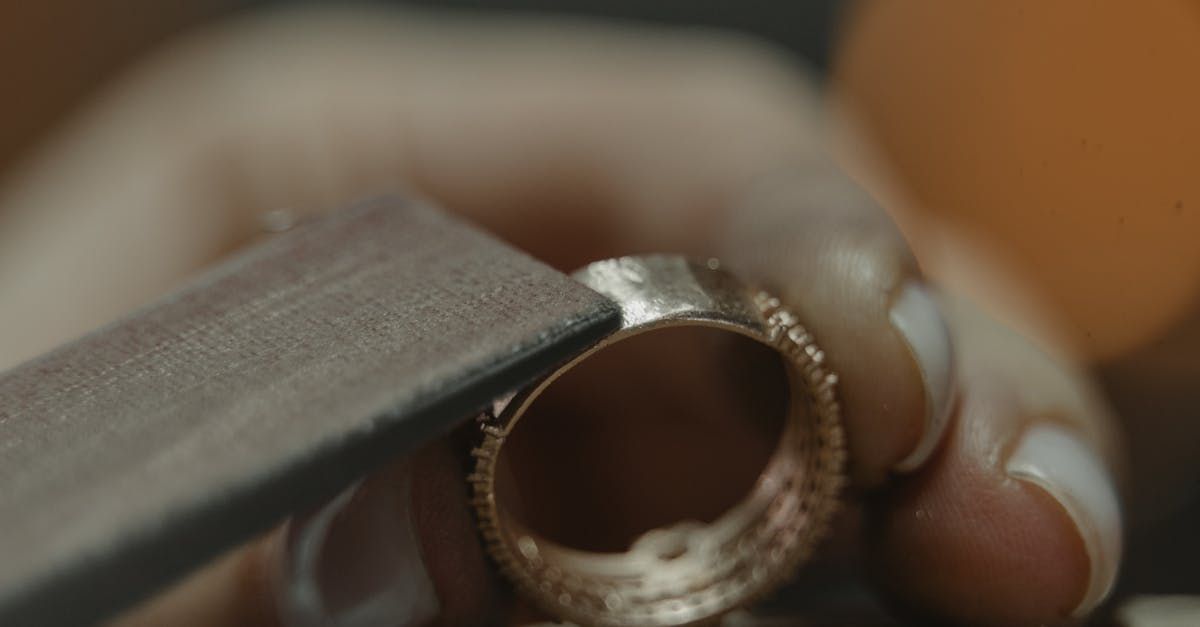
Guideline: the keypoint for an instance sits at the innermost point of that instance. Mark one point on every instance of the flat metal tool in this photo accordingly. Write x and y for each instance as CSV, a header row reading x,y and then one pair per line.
x,y
278,378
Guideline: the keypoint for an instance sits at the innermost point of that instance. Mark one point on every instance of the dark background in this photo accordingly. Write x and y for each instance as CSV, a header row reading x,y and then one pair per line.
x,y
804,26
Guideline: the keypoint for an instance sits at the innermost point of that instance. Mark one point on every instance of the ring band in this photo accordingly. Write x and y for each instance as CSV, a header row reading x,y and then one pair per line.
x,y
690,572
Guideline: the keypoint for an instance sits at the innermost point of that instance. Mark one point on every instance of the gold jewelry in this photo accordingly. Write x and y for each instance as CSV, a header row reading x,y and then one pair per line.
x,y
690,572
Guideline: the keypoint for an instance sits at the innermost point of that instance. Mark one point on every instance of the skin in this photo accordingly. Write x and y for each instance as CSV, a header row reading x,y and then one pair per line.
x,y
574,142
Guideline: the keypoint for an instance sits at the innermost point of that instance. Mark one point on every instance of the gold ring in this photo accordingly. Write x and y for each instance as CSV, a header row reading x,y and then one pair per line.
x,y
691,572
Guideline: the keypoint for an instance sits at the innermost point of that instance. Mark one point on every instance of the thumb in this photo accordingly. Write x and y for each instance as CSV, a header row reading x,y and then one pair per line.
x,y
398,548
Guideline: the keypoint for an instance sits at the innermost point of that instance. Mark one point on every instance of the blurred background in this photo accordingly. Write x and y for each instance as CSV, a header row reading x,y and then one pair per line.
x,y
62,51
1062,139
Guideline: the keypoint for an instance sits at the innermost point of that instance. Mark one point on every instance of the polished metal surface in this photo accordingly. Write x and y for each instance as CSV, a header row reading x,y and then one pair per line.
x,y
690,572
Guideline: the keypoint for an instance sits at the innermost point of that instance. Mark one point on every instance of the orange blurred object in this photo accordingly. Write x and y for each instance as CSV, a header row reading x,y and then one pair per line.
x,y
1066,135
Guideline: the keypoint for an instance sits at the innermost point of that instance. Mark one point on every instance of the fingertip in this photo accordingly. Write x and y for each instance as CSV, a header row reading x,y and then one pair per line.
x,y
838,262
356,560
968,546
1016,521
1052,458
400,547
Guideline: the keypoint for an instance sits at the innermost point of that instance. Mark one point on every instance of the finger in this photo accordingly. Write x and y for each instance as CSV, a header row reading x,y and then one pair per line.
x,y
832,254
399,548
1017,521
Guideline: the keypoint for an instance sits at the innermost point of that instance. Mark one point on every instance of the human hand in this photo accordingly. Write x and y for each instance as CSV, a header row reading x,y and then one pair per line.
x,y
987,468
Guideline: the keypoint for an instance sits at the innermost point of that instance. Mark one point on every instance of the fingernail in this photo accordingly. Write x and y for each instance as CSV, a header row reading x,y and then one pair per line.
x,y
917,318
356,562
1056,460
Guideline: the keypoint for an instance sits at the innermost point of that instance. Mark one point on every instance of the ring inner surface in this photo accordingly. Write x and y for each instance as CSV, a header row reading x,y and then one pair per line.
x,y
666,468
